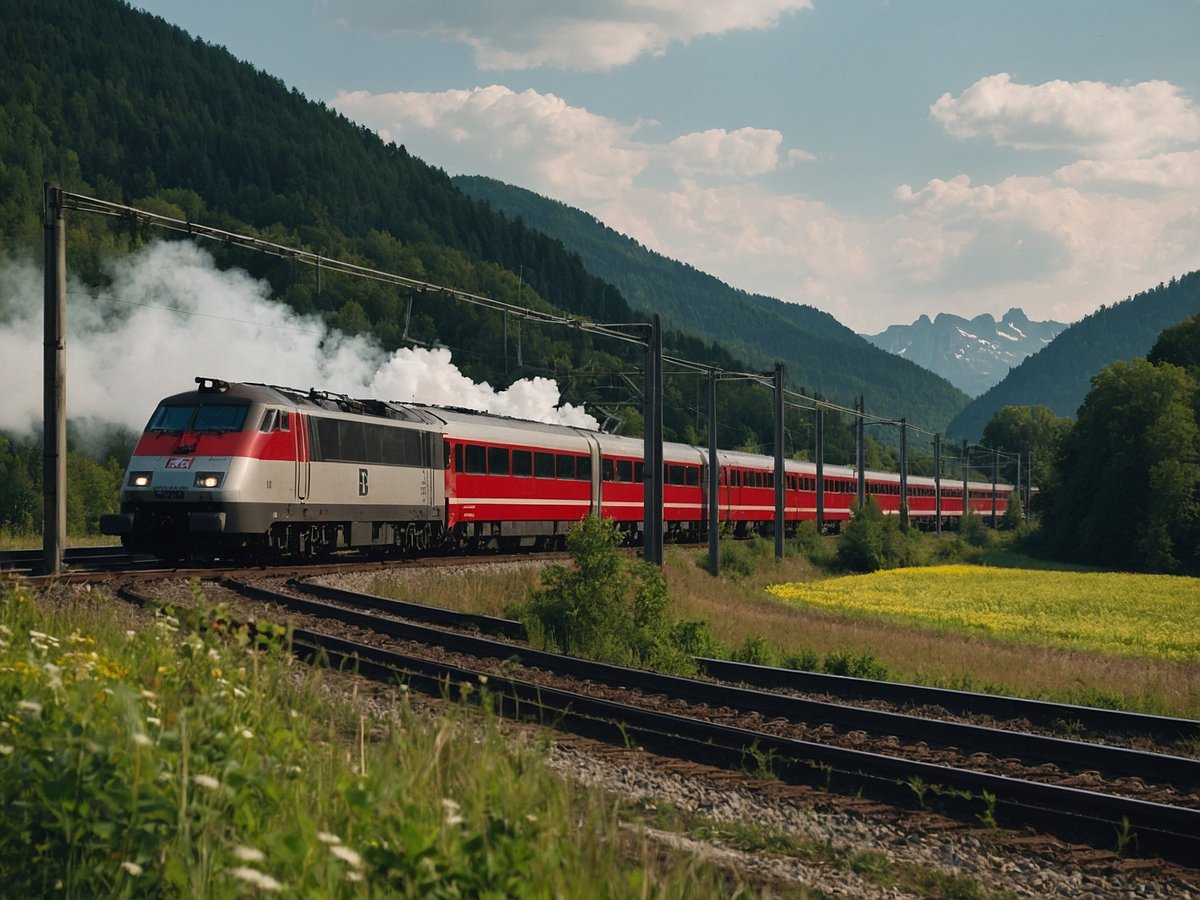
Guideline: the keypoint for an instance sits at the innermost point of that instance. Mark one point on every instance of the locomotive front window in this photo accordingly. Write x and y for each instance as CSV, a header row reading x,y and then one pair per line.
x,y
171,418
205,417
225,417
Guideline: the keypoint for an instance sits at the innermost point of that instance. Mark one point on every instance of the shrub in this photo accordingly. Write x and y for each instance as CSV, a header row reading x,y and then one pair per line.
x,y
607,609
871,541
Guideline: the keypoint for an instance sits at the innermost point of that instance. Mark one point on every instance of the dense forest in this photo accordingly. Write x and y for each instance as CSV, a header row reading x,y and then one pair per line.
x,y
1058,377
1124,488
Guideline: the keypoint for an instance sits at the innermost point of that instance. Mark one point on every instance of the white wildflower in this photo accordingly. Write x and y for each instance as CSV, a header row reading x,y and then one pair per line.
x,y
259,879
6,749
248,854
132,868
247,734
155,721
141,740
451,807
346,855
30,706
206,781
326,838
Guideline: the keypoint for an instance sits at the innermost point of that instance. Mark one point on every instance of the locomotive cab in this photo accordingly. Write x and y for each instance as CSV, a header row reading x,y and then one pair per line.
x,y
186,474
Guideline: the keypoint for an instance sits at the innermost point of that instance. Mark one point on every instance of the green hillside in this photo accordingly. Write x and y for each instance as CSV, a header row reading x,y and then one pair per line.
x,y
1059,376
820,353
109,101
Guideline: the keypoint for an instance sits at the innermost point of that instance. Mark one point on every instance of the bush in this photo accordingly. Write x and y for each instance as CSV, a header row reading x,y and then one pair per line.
x,y
872,541
605,608
973,530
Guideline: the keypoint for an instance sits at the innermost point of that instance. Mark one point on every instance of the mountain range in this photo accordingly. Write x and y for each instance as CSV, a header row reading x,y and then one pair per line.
x,y
972,354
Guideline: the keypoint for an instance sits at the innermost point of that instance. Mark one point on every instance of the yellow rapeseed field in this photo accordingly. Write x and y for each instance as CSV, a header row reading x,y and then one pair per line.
x,y
1151,616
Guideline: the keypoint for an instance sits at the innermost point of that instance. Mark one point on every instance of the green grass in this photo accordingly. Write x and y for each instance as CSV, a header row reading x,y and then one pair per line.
x,y
172,758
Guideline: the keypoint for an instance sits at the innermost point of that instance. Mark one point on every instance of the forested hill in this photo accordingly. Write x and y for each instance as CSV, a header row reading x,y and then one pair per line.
x,y
1060,375
820,353
110,101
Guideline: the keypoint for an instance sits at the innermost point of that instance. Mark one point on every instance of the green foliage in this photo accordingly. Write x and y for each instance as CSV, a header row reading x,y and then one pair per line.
x,y
609,609
1026,429
973,530
160,761
1126,487
819,352
93,488
757,651
871,541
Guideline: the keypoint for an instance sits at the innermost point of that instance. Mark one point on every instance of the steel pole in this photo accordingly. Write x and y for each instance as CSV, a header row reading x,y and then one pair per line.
x,y
779,470
714,471
54,384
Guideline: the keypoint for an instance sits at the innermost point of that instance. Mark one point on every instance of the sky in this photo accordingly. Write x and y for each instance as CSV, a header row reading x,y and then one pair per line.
x,y
876,159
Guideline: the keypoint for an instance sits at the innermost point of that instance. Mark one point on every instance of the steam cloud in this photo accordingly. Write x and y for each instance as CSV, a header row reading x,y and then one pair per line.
x,y
170,314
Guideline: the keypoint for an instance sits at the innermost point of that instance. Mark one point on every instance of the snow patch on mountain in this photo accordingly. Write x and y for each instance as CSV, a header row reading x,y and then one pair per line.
x,y
972,354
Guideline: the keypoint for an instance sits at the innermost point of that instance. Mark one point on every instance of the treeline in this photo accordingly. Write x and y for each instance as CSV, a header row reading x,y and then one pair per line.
x,y
93,487
1124,490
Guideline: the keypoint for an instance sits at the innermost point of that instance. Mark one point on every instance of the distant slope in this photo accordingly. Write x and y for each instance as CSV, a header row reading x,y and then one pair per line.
x,y
820,353
1059,376
972,354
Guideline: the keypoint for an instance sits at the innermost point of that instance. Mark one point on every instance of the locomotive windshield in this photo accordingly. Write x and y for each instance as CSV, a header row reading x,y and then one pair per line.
x,y
199,417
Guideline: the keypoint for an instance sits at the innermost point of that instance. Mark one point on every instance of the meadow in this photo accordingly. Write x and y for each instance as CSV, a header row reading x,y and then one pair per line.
x,y
1153,617
1076,646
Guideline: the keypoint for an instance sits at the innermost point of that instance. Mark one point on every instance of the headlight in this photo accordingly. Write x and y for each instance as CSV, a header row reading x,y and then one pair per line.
x,y
208,479
139,479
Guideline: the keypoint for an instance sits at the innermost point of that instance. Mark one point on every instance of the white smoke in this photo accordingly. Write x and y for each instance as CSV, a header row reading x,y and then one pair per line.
x,y
170,314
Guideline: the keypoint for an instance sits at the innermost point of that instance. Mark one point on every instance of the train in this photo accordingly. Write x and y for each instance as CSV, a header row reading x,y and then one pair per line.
x,y
247,470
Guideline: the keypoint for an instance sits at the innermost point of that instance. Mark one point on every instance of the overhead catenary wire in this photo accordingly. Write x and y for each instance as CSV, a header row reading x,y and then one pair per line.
x,y
629,332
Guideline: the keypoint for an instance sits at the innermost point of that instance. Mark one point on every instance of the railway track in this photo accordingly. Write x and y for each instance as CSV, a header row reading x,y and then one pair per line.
x,y
1146,800
29,562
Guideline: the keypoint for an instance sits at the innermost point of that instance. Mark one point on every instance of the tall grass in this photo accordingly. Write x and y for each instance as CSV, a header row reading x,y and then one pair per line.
x,y
165,757
741,616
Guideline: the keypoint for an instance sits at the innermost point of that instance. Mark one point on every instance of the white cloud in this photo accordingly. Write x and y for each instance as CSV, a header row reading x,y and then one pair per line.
x,y
535,140
718,200
747,151
1109,121
1169,171
595,36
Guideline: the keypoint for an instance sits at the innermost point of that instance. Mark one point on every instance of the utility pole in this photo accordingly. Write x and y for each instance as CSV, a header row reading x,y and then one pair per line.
x,y
820,454
937,484
652,501
714,468
904,474
860,462
779,470
966,464
54,383
995,481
